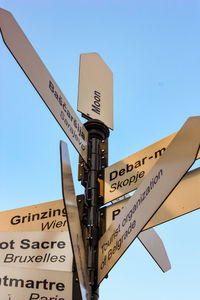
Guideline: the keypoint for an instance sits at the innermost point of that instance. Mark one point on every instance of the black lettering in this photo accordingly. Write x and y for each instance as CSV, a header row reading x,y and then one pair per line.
x,y
25,244
15,220
129,168
97,93
138,164
143,160
97,102
96,109
121,172
51,86
113,187
113,175
159,152
115,213
43,215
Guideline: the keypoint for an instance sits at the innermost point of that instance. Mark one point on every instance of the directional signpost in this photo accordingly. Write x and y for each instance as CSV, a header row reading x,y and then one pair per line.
x,y
35,247
152,192
40,243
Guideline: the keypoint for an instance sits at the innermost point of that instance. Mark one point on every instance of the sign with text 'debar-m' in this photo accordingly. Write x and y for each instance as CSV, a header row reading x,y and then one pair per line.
x,y
184,199
73,221
31,284
127,174
95,93
150,195
22,50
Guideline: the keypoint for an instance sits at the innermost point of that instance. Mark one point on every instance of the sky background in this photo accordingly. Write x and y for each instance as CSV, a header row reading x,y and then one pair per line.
x,y
153,49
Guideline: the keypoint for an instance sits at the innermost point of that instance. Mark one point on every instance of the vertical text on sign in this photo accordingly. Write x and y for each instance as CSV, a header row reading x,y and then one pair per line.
x,y
96,105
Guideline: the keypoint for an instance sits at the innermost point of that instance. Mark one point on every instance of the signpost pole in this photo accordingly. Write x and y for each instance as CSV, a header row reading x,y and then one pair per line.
x,y
97,132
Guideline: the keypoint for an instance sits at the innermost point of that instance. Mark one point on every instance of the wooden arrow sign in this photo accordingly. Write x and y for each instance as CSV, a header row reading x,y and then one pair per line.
x,y
43,82
154,189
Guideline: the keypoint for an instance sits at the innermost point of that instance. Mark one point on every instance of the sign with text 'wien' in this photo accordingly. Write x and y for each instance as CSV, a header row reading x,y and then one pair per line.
x,y
127,174
184,199
95,93
43,82
31,284
150,195
74,222
49,216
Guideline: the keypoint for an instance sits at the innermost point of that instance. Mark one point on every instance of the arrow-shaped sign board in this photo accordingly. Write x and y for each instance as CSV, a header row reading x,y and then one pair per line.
x,y
154,245
43,82
127,174
74,222
154,189
95,93
49,216
36,250
150,240
184,199
31,284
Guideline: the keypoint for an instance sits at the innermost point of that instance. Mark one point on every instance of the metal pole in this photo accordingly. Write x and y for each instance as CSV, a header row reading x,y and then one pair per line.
x,y
97,132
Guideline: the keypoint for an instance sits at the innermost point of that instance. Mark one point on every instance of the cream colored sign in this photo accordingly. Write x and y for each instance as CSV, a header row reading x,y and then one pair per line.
x,y
184,199
49,216
74,222
43,82
154,245
150,240
127,174
95,93
31,284
150,195
36,250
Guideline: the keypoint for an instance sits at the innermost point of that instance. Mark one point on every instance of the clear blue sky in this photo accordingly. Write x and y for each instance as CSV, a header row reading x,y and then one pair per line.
x,y
153,49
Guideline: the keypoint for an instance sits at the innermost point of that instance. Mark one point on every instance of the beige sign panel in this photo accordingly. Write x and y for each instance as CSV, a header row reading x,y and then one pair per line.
x,y
49,216
127,174
36,250
74,222
184,199
154,245
95,93
31,284
43,82
150,240
150,195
